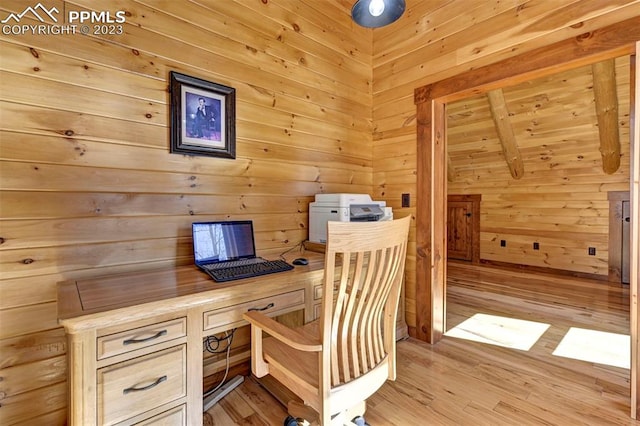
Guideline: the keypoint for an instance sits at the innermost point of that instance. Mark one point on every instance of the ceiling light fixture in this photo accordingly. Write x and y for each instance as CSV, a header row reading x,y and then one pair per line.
x,y
377,13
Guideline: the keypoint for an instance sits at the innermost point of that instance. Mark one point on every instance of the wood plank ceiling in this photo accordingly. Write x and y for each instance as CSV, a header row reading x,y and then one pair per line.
x,y
601,91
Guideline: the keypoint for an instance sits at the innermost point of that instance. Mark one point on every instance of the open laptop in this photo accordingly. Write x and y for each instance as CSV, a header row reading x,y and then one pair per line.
x,y
226,251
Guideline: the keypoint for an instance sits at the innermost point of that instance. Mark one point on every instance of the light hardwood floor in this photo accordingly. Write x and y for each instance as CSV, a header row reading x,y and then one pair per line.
x,y
460,382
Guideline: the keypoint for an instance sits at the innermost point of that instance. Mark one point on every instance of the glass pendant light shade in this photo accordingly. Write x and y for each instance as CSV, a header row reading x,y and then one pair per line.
x,y
377,13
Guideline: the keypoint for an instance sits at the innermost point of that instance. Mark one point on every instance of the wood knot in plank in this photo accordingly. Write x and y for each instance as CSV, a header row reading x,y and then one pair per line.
x,y
584,36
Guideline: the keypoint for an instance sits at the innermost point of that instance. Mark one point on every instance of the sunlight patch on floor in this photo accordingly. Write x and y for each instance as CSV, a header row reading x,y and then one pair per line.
x,y
499,331
596,346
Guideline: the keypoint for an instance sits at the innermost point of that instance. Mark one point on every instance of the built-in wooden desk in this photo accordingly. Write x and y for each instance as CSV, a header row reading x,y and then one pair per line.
x,y
135,348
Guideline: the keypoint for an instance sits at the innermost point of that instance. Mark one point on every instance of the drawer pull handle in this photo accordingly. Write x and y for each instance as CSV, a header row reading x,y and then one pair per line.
x,y
155,336
269,306
144,388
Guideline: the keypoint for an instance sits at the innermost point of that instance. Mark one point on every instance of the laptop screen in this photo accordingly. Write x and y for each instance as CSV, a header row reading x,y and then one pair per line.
x,y
222,241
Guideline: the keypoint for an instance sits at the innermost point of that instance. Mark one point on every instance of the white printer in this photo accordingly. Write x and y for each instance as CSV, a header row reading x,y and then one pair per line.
x,y
343,208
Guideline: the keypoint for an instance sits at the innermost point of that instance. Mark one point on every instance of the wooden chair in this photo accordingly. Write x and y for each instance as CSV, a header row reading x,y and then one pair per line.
x,y
335,363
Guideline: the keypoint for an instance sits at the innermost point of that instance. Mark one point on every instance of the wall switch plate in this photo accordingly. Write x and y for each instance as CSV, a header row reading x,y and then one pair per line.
x,y
536,246
406,200
592,251
503,243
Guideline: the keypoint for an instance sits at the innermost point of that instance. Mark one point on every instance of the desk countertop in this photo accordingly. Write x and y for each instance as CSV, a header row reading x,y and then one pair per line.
x,y
83,302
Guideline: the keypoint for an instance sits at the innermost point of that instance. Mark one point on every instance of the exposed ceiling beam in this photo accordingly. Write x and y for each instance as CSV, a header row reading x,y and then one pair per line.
x,y
500,115
604,89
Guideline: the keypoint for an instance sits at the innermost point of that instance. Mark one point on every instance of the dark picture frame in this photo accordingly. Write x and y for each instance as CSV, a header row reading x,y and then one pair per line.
x,y
203,117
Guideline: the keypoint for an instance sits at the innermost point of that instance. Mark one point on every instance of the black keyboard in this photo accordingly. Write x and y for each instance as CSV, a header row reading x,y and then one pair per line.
x,y
250,270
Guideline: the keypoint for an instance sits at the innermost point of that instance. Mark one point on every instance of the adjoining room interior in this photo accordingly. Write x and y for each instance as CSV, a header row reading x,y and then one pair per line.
x,y
532,181
542,161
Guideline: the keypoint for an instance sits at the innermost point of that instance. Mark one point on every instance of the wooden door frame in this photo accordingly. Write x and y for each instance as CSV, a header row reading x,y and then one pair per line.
x,y
619,39
475,200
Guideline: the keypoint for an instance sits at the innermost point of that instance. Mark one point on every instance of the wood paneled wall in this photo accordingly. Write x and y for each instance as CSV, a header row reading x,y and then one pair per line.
x,y
439,39
561,200
89,186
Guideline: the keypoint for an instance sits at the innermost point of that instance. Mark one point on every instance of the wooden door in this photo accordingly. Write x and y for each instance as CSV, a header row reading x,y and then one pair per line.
x,y
459,230
463,227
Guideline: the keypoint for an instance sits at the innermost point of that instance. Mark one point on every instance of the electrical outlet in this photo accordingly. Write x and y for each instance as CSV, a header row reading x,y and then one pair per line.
x,y
503,243
406,200
592,251
536,246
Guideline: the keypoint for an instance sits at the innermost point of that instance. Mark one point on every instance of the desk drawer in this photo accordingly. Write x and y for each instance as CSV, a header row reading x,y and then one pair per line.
x,y
142,337
174,417
226,318
133,387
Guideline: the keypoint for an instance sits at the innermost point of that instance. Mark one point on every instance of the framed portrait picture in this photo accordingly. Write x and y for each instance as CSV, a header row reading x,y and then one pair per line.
x,y
203,117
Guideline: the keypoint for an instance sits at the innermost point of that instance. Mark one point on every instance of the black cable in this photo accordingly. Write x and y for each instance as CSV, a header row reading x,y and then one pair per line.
x,y
207,344
300,245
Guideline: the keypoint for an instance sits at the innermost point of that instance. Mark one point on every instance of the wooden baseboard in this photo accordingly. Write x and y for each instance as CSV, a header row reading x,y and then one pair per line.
x,y
540,269
412,332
